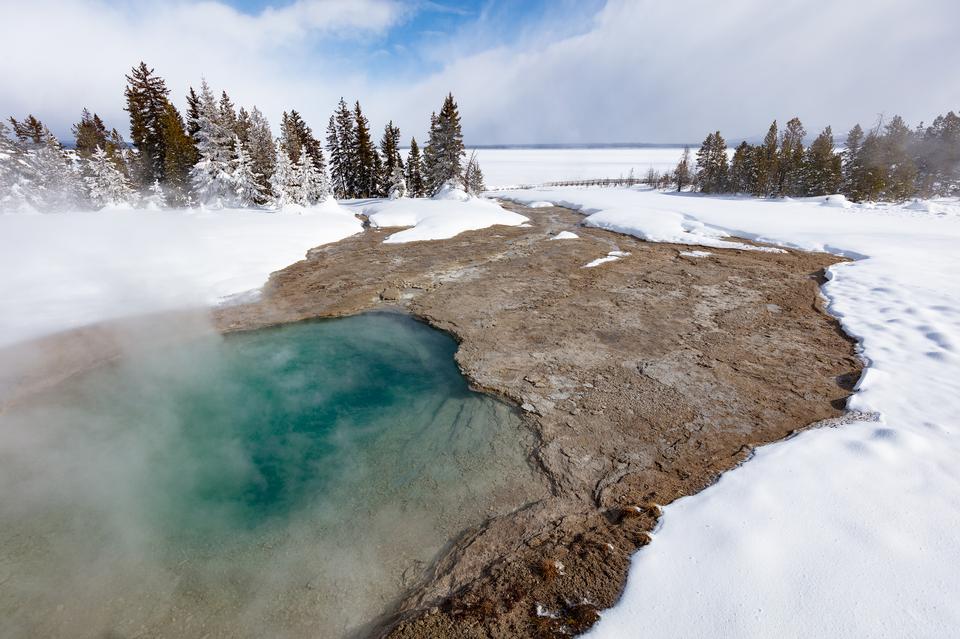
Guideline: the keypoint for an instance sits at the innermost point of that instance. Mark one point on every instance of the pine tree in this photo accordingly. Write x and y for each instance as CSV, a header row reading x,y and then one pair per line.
x,y
743,169
244,123
283,181
341,145
228,114
210,177
768,165
681,174
712,167
90,134
29,130
180,157
365,155
872,180
790,160
853,164
444,154
473,176
146,96
298,137
900,168
822,166
106,184
262,151
390,151
415,183
193,113
246,183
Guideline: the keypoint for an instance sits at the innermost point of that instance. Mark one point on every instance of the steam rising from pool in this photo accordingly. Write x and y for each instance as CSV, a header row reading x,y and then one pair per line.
x,y
288,482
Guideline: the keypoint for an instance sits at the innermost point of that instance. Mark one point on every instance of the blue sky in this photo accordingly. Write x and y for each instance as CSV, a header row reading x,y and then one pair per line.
x,y
430,31
534,71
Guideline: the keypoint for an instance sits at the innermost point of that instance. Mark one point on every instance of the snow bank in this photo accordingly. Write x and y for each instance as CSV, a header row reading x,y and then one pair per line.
x,y
565,235
838,532
543,204
450,214
607,209
60,271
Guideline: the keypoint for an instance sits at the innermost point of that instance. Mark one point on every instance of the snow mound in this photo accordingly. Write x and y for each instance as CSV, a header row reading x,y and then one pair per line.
x,y
437,218
837,201
565,235
542,204
66,270
451,191
696,253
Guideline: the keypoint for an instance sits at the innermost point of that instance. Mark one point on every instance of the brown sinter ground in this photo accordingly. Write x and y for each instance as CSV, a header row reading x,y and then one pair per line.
x,y
643,380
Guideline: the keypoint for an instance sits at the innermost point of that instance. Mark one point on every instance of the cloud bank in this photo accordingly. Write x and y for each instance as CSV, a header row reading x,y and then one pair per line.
x,y
637,70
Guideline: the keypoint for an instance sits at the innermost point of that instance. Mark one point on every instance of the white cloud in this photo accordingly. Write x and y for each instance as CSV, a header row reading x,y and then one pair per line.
x,y
640,70
79,56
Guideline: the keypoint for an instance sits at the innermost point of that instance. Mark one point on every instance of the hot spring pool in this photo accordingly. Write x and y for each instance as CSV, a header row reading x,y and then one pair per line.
x,y
286,482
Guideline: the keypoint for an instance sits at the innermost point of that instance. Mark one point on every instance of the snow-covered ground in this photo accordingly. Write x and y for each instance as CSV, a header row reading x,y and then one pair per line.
x,y
516,166
60,271
838,532
447,214
65,270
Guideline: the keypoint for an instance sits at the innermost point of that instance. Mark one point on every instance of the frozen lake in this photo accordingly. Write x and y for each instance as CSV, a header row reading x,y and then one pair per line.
x,y
517,166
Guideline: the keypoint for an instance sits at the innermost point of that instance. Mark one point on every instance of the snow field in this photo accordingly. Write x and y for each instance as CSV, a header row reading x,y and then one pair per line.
x,y
61,271
846,531
516,166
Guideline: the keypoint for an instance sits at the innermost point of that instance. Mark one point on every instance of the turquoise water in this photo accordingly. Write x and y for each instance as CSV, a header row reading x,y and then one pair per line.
x,y
282,482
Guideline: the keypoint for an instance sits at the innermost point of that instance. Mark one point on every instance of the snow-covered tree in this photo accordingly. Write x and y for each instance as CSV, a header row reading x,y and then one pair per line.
x,y
156,198
398,183
473,176
310,184
11,168
262,151
246,182
106,184
211,177
341,146
283,180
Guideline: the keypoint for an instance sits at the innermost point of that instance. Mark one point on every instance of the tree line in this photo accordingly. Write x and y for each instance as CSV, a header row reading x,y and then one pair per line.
x,y
890,162
215,154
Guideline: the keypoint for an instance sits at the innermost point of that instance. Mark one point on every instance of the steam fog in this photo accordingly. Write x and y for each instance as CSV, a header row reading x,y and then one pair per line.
x,y
175,492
